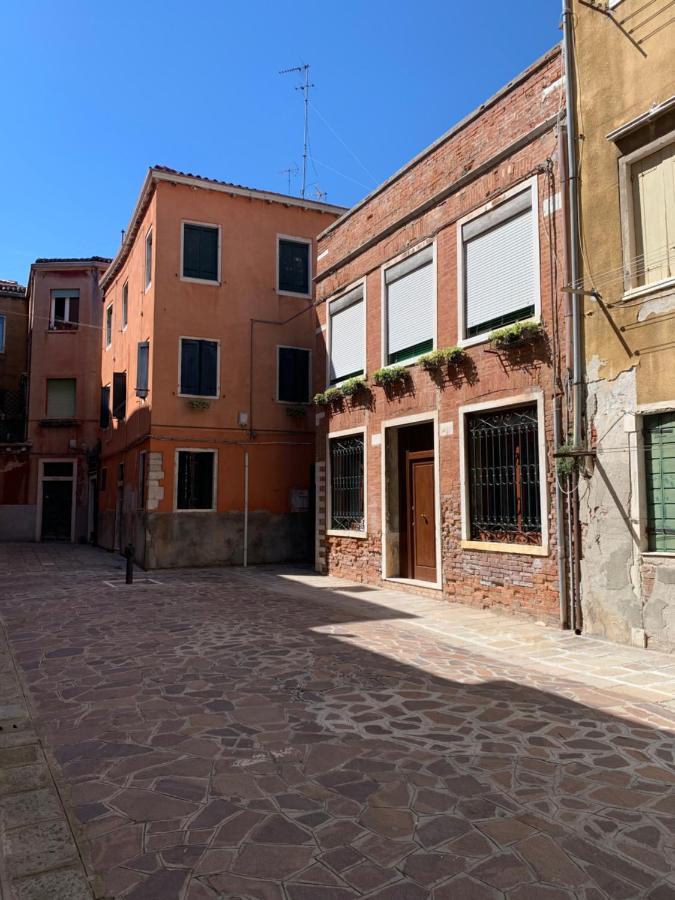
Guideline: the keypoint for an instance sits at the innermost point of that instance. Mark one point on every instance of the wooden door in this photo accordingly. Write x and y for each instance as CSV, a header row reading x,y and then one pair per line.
x,y
421,516
57,510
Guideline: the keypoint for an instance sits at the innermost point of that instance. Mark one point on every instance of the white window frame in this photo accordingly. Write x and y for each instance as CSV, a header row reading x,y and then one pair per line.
x,y
520,188
337,532
66,311
147,272
214,489
108,331
309,376
384,313
125,305
41,478
212,225
403,422
466,543
360,282
297,240
4,332
189,337
626,163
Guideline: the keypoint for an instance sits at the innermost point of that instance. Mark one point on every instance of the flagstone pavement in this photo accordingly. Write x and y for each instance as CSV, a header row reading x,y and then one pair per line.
x,y
267,733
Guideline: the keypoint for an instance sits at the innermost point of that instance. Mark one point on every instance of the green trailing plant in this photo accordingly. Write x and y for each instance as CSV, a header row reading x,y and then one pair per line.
x,y
518,333
437,359
352,387
330,396
390,376
565,465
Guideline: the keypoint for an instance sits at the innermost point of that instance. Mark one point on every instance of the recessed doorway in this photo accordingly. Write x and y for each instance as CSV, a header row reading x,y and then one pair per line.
x,y
411,548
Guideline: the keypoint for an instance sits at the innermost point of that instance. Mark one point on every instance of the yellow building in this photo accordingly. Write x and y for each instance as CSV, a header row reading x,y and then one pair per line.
x,y
625,102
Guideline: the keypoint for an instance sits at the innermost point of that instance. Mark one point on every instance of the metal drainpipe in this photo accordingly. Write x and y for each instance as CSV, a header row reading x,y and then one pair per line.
x,y
560,523
245,508
572,183
577,372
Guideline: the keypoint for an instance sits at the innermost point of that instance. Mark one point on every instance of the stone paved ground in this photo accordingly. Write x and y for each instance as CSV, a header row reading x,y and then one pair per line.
x,y
238,734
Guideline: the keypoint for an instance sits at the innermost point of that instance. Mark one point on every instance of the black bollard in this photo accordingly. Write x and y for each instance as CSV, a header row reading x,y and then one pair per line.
x,y
129,553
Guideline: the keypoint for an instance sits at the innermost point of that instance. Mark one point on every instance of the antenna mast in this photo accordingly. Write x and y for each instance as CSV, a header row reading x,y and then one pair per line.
x,y
305,90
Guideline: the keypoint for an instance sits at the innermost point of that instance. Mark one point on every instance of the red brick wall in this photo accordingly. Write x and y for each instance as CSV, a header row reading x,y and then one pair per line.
x,y
511,580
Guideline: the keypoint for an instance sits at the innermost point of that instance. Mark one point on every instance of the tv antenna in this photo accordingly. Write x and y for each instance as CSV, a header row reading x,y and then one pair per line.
x,y
290,172
304,69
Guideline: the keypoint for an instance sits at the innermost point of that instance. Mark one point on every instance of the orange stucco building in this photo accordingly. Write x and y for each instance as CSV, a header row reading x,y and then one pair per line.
x,y
207,438
64,325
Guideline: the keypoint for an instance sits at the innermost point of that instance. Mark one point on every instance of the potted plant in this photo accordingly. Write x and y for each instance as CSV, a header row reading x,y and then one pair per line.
x,y
438,359
515,335
390,376
330,397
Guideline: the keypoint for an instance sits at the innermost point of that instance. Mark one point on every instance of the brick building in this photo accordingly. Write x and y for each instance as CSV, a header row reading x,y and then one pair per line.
x,y
13,367
207,441
443,479
64,362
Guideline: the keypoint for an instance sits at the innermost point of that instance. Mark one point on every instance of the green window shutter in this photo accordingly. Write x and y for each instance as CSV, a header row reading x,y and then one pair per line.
x,y
659,441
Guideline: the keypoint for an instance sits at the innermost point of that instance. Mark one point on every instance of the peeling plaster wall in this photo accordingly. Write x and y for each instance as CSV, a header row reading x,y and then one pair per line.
x,y
628,594
610,596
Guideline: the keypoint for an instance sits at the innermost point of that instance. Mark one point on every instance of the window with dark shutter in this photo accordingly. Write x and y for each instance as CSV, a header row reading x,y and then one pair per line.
x,y
200,252
195,479
105,406
659,442
198,367
148,259
119,403
294,266
142,369
293,375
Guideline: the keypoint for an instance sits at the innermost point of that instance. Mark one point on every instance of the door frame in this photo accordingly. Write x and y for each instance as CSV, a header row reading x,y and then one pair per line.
x,y
417,419
411,457
41,479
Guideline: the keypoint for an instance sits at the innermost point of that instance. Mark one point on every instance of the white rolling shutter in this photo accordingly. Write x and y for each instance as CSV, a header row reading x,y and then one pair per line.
x,y
347,335
410,302
500,265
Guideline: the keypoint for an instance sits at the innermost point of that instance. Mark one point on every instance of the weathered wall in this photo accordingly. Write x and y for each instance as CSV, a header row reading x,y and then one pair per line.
x,y
181,539
627,593
470,168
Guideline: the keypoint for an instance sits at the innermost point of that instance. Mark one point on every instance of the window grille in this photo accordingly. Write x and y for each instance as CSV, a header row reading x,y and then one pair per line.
x,y
503,455
346,474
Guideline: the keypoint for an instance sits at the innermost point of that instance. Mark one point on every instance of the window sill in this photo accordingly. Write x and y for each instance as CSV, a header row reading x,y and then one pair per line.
x,y
62,330
59,423
293,294
665,554
498,547
359,535
646,289
293,402
209,397
195,510
200,281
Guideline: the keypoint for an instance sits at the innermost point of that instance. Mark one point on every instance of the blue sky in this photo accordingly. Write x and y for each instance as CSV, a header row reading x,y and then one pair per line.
x,y
95,92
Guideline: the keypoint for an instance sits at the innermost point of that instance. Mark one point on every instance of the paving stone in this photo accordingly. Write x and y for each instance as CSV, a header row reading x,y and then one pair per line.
x,y
272,738
63,884
39,847
29,807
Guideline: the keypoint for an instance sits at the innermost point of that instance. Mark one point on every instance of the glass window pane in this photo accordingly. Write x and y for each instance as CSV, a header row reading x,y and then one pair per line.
x,y
58,469
294,266
347,482
200,252
293,375
195,480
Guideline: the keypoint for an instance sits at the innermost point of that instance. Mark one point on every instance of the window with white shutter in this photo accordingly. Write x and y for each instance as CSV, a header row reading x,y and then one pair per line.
x,y
501,266
410,306
347,336
654,216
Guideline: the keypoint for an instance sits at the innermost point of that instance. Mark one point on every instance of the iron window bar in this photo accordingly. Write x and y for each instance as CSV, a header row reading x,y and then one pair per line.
x,y
347,494
503,453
